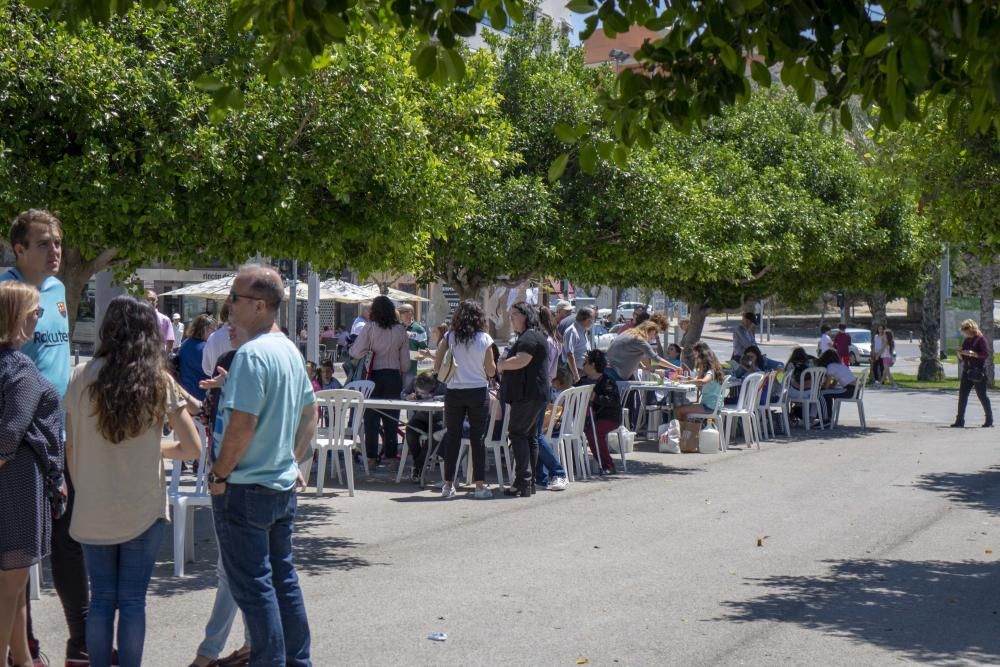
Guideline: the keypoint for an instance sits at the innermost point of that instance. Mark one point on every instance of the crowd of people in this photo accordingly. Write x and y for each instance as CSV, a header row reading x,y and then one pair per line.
x,y
82,451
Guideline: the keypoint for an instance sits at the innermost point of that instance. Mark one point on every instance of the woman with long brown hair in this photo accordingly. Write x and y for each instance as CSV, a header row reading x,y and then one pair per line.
x,y
115,408
468,394
31,463
709,378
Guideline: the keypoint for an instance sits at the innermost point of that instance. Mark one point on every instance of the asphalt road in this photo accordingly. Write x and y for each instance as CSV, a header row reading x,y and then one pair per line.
x,y
836,548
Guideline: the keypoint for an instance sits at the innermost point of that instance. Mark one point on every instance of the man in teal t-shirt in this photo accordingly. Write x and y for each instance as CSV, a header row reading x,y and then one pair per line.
x,y
36,238
266,424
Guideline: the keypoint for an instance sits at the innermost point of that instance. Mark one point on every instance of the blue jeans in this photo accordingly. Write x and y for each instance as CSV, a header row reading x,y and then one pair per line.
x,y
119,576
221,621
548,463
254,527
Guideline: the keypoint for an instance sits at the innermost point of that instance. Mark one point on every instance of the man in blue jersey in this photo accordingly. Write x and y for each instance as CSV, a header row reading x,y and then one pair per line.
x,y
36,238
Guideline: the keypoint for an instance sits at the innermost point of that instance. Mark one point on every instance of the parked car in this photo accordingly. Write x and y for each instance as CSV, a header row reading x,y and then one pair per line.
x,y
861,346
626,308
602,336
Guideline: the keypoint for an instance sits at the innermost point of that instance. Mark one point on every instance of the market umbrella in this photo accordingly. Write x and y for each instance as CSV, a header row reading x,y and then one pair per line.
x,y
217,289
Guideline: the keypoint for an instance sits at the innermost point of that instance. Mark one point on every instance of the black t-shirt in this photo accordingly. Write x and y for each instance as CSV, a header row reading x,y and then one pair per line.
x,y
532,381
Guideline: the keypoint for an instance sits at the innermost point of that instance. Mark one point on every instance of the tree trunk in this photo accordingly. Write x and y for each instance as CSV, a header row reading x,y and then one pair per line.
x,y
877,302
698,313
75,272
466,292
930,334
986,281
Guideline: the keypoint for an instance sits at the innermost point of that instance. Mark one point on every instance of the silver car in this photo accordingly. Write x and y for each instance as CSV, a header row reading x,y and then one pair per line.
x,y
861,346
602,337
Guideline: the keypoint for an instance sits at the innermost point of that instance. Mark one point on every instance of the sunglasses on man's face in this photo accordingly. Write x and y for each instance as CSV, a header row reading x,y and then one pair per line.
x,y
234,297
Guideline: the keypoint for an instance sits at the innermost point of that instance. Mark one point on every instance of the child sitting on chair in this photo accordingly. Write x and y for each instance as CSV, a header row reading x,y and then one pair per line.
x,y
606,408
424,387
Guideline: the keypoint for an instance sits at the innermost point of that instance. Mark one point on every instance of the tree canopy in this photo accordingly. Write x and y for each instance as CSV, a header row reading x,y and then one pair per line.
x,y
110,128
893,54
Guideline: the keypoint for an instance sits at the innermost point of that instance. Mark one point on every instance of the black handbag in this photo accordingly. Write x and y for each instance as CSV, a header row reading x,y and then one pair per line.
x,y
976,374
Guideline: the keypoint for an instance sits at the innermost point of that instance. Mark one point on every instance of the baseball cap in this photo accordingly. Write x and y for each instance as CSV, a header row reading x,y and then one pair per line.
x,y
563,305
176,316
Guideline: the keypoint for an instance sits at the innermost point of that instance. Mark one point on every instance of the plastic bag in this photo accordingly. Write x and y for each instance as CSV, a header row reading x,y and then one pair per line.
x,y
669,439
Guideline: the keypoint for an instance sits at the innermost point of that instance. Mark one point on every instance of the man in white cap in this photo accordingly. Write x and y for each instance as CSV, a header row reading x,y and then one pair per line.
x,y
564,315
178,330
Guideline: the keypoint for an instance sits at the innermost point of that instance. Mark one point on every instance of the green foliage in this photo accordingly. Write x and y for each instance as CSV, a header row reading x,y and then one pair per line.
x,y
761,201
954,172
516,228
889,54
110,128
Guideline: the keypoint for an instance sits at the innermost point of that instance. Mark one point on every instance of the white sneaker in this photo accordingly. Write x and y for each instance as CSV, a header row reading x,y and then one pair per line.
x,y
448,491
557,484
482,493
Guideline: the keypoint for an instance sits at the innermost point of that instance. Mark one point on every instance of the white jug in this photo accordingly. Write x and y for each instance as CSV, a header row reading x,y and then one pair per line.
x,y
708,440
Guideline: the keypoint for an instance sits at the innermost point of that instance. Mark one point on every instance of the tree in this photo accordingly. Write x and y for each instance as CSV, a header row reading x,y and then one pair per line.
x,y
954,173
110,128
761,201
889,54
517,228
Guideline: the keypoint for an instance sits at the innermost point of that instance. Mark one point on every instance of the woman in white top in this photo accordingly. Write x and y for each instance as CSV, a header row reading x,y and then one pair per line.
x,y
115,408
840,380
386,339
468,395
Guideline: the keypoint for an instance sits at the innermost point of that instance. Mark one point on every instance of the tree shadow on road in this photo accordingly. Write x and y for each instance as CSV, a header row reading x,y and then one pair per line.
x,y
926,610
313,554
979,490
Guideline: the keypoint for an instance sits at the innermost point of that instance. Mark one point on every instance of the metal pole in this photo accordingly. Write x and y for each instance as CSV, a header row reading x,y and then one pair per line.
x,y
312,325
770,317
293,329
945,277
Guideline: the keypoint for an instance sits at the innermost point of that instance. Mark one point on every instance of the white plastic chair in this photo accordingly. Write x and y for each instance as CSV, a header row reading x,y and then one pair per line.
x,y
858,397
181,505
623,435
812,396
366,387
570,446
727,384
745,410
781,405
35,582
342,433
765,426
495,441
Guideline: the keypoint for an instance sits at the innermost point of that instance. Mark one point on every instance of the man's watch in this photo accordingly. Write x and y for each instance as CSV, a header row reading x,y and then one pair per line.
x,y
215,479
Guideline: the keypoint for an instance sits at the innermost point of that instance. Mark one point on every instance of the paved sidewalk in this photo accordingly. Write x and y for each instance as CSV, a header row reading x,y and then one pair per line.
x,y
837,548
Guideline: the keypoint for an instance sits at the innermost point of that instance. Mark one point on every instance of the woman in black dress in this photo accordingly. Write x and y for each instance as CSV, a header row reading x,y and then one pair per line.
x,y
525,386
31,453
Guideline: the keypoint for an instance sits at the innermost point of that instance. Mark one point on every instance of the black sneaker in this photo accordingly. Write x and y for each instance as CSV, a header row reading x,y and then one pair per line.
x,y
76,657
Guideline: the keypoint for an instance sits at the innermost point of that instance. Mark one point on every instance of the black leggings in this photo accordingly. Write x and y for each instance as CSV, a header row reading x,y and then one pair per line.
x,y
964,388
388,384
69,575
459,404
524,438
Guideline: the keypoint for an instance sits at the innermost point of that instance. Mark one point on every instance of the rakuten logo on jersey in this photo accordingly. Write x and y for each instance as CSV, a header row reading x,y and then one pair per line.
x,y
50,337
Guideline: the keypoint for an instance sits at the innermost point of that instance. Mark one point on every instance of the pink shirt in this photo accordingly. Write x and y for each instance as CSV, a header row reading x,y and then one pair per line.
x,y
166,327
391,347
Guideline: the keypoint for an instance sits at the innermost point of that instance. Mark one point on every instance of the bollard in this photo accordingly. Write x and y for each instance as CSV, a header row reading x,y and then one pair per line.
x,y
76,355
911,335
